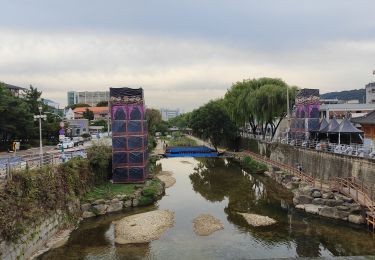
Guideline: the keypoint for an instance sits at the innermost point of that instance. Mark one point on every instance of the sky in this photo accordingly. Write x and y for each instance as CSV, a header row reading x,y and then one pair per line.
x,y
185,53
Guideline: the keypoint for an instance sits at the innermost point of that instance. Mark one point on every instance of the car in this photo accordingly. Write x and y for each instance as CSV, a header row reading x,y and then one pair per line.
x,y
78,140
66,144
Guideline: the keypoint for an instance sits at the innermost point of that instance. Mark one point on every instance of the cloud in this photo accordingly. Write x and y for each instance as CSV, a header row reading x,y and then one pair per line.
x,y
174,71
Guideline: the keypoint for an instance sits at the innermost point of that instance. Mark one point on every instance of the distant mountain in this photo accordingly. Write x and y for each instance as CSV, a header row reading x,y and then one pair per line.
x,y
359,94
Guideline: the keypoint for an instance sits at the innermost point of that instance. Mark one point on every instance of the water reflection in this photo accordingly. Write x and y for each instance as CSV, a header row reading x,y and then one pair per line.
x,y
221,188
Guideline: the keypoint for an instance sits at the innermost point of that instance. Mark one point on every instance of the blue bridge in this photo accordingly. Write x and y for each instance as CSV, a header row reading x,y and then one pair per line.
x,y
190,151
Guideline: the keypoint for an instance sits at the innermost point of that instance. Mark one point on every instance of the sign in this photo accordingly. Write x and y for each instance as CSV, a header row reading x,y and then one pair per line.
x,y
61,137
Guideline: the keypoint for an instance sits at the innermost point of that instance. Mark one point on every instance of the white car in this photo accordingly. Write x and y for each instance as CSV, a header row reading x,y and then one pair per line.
x,y
65,144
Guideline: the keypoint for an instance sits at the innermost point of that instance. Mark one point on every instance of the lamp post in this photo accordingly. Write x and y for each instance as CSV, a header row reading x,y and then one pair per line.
x,y
287,113
40,117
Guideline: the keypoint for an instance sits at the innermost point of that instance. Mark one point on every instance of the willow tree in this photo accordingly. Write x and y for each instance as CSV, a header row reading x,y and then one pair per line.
x,y
258,102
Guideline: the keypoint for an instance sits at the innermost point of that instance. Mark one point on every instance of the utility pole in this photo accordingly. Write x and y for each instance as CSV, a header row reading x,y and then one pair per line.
x,y
287,112
40,117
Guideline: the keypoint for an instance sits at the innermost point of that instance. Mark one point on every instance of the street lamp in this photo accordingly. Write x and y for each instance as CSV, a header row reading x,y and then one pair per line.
x,y
40,117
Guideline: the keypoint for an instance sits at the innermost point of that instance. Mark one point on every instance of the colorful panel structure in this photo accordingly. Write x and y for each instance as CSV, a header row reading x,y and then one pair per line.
x,y
129,135
306,113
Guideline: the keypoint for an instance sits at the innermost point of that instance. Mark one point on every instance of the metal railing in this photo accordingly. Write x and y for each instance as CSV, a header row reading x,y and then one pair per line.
x,y
358,150
32,161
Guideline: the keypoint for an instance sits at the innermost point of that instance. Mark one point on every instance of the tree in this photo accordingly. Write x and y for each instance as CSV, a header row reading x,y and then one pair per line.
x,y
88,114
102,104
181,121
212,122
153,117
100,122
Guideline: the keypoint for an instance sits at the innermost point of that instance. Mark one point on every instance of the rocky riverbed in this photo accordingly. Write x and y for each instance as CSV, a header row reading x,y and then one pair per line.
x,y
322,202
206,224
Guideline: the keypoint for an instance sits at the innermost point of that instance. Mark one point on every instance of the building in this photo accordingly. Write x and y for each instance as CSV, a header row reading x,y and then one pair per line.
x,y
370,93
69,114
16,91
167,114
91,98
100,113
77,127
367,123
345,109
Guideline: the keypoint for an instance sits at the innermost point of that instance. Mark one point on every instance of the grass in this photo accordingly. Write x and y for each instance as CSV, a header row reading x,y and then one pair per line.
x,y
108,191
182,141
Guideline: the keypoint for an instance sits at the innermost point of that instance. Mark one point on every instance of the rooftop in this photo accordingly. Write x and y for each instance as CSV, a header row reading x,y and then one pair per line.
x,y
366,119
347,106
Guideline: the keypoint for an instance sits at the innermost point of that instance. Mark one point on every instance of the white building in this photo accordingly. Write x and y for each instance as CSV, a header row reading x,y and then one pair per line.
x,y
91,98
370,93
167,114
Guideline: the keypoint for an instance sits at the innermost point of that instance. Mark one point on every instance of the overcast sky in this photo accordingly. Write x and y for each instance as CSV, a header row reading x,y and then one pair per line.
x,y
184,53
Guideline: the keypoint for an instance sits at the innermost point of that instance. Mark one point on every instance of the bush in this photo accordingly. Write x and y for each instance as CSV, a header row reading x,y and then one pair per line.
x,y
253,165
100,157
34,194
25,146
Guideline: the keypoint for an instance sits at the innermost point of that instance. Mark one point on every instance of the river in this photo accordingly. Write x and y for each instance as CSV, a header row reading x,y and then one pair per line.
x,y
221,188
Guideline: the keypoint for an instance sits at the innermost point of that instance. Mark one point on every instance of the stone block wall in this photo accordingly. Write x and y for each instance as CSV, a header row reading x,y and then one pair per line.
x,y
35,238
318,164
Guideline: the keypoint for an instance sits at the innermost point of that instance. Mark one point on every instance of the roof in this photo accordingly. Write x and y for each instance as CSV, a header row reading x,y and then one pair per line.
x,y
331,126
346,127
346,106
323,124
93,109
9,86
368,119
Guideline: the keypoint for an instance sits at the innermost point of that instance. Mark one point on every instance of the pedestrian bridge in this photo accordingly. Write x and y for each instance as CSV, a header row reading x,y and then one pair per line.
x,y
190,151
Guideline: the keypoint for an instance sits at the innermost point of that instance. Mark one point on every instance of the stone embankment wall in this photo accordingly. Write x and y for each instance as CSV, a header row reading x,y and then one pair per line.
x,y
315,163
34,239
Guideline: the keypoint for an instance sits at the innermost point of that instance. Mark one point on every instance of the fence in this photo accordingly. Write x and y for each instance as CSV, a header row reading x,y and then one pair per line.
x,y
358,150
31,161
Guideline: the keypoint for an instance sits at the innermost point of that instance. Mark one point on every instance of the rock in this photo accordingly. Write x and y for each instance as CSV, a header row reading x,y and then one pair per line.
x,y
85,207
206,224
343,198
300,206
355,208
312,209
318,201
135,202
144,227
328,212
120,196
167,179
341,215
88,214
114,200
330,202
343,208
304,199
127,203
356,219
115,206
306,190
100,209
316,194
256,220
98,202
339,202
59,239
327,195
296,179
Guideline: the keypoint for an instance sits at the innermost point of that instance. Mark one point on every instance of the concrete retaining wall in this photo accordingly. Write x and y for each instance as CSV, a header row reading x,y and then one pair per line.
x,y
316,163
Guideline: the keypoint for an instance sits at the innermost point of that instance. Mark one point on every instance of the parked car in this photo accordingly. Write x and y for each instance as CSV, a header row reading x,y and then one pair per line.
x,y
66,144
78,140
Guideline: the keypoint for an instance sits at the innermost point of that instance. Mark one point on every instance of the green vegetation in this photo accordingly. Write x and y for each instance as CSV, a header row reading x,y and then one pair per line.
x,y
100,122
74,106
211,121
253,166
17,118
182,121
32,195
102,104
150,193
108,191
259,103
181,140
88,114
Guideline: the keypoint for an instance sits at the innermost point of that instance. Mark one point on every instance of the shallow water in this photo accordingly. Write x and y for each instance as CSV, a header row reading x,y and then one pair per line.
x,y
220,188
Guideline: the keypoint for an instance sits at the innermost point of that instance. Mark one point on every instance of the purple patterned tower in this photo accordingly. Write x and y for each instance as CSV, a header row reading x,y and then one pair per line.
x,y
129,135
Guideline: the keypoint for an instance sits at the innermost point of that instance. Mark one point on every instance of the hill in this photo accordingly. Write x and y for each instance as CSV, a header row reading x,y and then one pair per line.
x,y
359,94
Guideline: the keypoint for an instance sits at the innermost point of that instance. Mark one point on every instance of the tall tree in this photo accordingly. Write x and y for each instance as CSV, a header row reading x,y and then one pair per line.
x,y
211,121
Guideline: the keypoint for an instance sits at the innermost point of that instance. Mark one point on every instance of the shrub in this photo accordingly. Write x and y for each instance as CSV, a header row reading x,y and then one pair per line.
x,y
253,165
99,156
